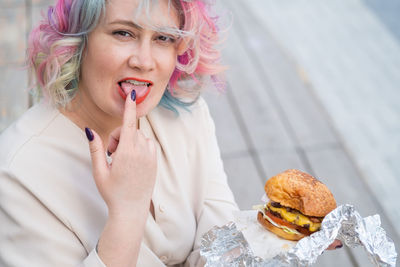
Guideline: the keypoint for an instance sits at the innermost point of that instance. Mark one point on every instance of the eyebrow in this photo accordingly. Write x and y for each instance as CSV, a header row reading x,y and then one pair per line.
x,y
137,26
127,23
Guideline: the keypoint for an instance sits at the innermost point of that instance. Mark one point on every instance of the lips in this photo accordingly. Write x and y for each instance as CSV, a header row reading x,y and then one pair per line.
x,y
142,88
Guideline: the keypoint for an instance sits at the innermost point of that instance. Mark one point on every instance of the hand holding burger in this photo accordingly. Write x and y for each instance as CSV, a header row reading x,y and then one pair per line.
x,y
298,204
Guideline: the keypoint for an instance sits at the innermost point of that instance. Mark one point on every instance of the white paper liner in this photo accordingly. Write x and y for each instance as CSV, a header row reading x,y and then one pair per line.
x,y
258,237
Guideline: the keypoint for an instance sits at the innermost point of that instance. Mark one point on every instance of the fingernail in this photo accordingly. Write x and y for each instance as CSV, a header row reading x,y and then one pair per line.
x,y
108,153
89,134
339,246
133,95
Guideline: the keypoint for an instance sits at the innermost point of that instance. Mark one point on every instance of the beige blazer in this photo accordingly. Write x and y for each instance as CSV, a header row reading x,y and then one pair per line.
x,y
51,213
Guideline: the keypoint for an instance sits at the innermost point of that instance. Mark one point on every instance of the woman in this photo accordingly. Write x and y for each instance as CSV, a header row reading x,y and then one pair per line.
x,y
103,68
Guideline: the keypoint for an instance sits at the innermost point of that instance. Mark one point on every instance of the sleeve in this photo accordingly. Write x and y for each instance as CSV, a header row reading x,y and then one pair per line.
x,y
219,202
31,235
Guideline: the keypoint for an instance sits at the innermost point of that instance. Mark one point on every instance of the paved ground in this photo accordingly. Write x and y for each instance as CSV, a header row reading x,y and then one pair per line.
x,y
311,85
352,64
314,86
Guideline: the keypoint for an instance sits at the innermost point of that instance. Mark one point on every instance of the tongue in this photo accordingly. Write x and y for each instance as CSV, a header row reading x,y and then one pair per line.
x,y
128,87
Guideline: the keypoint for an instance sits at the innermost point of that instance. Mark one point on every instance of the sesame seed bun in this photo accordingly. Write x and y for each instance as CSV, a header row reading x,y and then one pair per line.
x,y
298,190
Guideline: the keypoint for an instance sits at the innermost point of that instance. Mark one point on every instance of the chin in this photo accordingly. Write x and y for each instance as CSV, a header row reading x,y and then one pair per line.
x,y
145,107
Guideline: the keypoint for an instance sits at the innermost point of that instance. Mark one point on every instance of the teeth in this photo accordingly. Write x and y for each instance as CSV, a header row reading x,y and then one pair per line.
x,y
134,82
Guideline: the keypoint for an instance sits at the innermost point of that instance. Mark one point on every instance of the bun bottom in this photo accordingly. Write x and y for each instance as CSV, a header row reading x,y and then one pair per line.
x,y
278,231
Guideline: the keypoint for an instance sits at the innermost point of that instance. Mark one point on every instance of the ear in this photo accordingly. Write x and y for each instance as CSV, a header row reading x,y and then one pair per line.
x,y
183,46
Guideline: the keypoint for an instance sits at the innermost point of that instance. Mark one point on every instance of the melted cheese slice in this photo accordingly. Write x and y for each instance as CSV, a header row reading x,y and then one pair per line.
x,y
296,218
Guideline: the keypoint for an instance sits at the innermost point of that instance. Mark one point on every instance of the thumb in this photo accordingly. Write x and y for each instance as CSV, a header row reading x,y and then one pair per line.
x,y
335,245
99,162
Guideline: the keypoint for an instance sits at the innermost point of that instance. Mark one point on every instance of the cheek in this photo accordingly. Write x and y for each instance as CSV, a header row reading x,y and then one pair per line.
x,y
172,61
99,64
166,60
98,67
168,67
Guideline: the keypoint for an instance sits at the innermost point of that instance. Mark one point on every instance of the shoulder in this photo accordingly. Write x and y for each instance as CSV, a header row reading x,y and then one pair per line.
x,y
196,118
35,134
188,133
200,111
47,156
22,132
190,127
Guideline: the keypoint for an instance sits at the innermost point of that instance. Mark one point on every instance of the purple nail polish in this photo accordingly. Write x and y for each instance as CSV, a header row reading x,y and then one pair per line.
x,y
339,246
133,95
108,153
89,134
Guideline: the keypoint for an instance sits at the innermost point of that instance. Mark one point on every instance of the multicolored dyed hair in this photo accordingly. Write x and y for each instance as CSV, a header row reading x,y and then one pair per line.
x,y
57,45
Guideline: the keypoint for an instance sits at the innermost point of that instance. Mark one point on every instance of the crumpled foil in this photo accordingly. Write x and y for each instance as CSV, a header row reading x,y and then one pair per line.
x,y
226,246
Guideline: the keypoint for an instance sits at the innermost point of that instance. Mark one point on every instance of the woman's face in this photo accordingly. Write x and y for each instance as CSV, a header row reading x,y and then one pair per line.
x,y
121,56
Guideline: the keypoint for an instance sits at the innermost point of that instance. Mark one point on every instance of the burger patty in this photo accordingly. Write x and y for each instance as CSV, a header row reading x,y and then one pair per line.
x,y
276,214
294,217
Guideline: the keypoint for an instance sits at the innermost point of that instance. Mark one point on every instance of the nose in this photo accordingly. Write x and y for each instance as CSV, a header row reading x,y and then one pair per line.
x,y
142,58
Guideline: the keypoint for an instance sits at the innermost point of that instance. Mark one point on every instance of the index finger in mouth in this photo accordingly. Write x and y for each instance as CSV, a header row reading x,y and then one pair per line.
x,y
129,120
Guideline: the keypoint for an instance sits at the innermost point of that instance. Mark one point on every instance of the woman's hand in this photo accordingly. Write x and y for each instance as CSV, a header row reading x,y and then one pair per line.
x,y
335,245
126,186
129,181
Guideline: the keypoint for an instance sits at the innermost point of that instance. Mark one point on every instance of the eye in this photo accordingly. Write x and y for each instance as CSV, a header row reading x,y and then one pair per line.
x,y
166,39
123,34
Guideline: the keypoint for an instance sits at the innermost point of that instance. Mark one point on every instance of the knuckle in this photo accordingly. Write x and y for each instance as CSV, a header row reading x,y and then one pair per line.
x,y
94,149
131,124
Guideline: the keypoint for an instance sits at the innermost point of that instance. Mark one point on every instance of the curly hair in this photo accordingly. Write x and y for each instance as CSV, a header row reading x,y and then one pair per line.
x,y
57,44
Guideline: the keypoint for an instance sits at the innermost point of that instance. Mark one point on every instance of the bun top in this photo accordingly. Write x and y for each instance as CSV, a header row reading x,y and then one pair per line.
x,y
298,190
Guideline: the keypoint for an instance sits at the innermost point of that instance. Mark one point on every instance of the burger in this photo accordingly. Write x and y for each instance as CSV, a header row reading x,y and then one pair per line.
x,y
298,204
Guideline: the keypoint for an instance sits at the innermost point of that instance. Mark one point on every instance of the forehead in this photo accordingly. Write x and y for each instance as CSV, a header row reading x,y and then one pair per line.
x,y
146,13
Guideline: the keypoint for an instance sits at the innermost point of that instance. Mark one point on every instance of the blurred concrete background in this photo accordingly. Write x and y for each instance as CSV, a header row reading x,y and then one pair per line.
x,y
312,85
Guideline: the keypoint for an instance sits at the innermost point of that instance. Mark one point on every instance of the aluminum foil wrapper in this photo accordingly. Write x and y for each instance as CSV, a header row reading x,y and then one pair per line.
x,y
227,246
